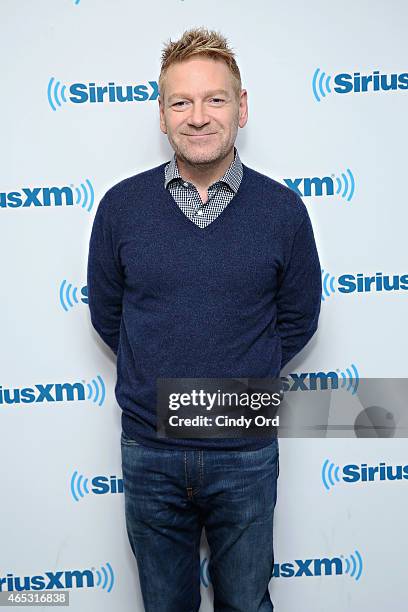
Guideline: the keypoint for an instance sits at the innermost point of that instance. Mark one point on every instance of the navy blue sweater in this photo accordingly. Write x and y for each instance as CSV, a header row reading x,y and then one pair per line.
x,y
238,298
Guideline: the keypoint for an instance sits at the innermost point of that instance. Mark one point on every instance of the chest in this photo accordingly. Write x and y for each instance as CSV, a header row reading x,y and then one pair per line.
x,y
241,256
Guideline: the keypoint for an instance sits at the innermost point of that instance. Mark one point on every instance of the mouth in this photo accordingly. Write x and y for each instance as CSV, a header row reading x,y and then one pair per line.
x,y
199,135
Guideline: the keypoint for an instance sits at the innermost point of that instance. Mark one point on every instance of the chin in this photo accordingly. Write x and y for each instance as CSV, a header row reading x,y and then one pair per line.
x,y
202,157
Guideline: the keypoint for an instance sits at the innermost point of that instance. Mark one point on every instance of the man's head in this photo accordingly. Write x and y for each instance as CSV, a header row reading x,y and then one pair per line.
x,y
202,102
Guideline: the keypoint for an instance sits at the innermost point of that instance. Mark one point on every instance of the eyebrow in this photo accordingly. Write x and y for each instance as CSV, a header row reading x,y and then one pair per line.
x,y
205,95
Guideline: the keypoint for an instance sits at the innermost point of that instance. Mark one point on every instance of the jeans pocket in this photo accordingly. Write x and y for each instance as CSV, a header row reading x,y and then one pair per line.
x,y
124,439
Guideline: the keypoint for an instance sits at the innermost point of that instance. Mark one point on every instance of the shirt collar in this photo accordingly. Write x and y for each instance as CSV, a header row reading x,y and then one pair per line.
x,y
232,176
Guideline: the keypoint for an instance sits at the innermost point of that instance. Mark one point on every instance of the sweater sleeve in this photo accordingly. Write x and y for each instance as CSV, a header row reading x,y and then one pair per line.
x,y
299,294
105,279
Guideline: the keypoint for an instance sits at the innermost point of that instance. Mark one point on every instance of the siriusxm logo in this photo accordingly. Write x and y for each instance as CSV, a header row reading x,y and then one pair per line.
x,y
351,565
347,379
351,473
68,579
99,485
90,93
68,295
27,197
56,392
344,83
342,185
360,283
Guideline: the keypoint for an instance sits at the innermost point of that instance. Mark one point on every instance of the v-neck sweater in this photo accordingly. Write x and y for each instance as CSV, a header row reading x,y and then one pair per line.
x,y
235,299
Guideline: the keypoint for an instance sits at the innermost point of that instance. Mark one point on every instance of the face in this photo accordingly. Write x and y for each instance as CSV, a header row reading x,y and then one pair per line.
x,y
200,111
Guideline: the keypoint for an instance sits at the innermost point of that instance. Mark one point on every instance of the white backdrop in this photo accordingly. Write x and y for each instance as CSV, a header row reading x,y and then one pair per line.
x,y
62,507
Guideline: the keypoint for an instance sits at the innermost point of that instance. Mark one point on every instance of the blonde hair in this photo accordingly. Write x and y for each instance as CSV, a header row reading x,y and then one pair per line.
x,y
200,41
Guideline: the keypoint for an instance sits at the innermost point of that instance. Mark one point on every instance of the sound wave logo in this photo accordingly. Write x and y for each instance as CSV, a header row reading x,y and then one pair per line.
x,y
330,474
105,577
96,390
204,572
56,94
345,185
327,285
79,486
321,84
68,295
350,379
85,195
354,565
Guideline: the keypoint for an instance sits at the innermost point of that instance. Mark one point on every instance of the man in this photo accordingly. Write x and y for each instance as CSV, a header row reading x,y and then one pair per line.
x,y
199,268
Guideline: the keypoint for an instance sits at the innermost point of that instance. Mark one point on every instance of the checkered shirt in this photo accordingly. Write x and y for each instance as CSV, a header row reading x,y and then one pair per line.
x,y
188,199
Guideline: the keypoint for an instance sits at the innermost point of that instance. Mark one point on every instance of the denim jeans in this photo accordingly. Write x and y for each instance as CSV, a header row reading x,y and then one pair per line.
x,y
170,495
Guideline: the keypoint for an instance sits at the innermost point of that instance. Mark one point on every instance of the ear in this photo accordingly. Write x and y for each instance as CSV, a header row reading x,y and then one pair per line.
x,y
162,118
243,108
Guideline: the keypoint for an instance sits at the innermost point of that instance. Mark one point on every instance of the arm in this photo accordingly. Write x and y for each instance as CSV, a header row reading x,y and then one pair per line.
x,y
299,294
105,279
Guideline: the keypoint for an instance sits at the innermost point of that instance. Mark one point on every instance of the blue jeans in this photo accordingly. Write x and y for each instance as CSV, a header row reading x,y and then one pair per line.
x,y
170,495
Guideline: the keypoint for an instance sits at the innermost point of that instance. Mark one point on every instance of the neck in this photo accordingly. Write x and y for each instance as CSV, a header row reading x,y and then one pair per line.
x,y
204,175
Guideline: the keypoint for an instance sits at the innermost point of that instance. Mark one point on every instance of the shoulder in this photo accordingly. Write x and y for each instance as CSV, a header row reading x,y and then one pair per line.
x,y
133,185
126,197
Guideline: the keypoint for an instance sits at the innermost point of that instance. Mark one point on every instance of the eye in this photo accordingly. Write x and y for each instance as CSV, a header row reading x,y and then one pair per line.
x,y
217,100
180,104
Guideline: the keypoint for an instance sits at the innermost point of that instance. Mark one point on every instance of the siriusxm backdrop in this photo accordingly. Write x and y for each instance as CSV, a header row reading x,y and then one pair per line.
x,y
328,91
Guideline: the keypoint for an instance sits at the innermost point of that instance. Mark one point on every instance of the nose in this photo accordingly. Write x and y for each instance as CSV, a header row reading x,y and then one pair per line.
x,y
198,116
